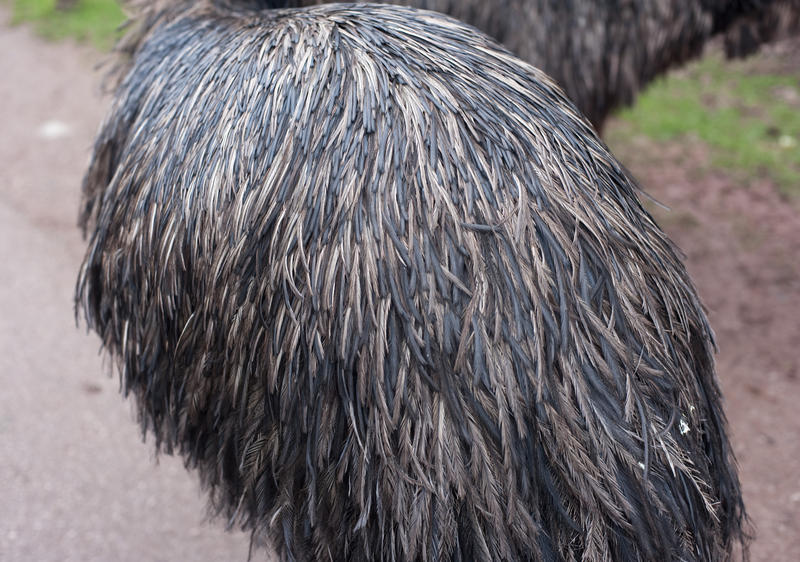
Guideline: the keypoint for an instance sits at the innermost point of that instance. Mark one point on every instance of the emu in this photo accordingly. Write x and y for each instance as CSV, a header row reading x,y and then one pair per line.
x,y
380,283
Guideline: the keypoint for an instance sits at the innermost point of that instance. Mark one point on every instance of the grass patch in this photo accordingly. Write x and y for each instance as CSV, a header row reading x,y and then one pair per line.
x,y
92,21
750,121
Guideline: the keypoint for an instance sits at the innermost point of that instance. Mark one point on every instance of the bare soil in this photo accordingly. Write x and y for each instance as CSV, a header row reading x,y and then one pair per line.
x,y
78,483
742,246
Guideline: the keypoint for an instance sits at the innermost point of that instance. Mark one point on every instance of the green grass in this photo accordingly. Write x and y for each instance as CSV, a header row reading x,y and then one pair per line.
x,y
93,21
750,121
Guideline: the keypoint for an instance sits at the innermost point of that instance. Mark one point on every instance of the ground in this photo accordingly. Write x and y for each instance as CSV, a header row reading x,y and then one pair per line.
x,y
741,237
78,483
742,247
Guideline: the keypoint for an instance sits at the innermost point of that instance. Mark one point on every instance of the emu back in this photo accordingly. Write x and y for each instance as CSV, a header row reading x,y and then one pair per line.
x,y
383,287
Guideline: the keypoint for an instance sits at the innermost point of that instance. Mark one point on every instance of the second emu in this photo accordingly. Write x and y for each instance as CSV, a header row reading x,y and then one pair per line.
x,y
381,284
603,52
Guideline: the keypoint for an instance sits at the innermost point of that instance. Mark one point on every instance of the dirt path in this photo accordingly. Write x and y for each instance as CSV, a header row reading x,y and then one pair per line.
x,y
78,483
742,245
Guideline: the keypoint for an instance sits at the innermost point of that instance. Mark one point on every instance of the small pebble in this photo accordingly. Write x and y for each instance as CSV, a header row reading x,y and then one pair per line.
x,y
54,130
787,141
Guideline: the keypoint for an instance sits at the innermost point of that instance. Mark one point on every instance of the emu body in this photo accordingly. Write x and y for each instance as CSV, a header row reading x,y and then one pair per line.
x,y
380,283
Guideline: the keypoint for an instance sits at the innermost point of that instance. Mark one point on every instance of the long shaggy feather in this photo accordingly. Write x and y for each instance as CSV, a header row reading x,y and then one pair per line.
x,y
384,287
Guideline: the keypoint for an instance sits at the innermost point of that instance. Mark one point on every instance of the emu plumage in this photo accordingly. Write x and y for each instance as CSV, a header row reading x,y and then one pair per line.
x,y
381,284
